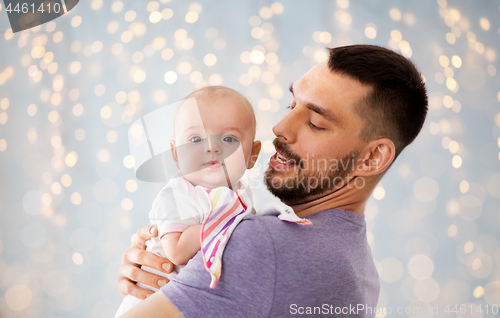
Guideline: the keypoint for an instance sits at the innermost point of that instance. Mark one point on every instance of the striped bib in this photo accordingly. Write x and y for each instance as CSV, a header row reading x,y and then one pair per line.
x,y
227,210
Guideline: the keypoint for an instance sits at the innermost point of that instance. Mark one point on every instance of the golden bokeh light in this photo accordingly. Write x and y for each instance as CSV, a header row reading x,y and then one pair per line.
x,y
71,159
76,198
90,81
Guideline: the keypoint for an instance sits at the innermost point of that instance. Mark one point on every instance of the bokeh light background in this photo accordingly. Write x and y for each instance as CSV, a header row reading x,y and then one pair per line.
x,y
69,89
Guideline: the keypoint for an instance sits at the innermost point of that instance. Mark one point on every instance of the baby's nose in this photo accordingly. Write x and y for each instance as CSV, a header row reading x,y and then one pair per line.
x,y
214,150
214,147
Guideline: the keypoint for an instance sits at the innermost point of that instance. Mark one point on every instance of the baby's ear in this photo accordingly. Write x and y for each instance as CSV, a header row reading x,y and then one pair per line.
x,y
174,153
254,154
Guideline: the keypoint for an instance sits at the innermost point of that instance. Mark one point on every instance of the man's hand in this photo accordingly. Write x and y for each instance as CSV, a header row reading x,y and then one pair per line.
x,y
130,271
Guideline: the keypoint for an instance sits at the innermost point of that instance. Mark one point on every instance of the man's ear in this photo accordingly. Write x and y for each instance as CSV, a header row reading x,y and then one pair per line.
x,y
376,156
254,154
174,153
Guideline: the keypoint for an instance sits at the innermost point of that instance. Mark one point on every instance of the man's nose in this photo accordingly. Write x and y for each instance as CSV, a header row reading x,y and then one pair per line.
x,y
286,129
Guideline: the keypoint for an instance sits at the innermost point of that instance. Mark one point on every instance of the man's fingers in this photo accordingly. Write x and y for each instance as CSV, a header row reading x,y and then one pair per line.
x,y
141,257
130,288
134,257
136,274
143,234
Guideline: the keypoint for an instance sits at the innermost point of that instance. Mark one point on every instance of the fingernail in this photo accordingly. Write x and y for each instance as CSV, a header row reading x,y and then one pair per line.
x,y
162,282
148,295
167,267
151,230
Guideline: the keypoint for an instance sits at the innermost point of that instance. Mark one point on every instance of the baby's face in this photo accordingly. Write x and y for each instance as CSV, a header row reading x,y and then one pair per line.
x,y
213,135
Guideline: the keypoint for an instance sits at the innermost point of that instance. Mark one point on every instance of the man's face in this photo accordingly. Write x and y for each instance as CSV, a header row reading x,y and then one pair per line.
x,y
317,141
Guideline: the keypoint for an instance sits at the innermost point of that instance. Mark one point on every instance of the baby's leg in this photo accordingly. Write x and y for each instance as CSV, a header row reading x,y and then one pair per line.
x,y
128,302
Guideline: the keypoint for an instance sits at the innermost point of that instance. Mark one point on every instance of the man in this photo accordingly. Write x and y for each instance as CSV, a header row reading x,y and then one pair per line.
x,y
349,118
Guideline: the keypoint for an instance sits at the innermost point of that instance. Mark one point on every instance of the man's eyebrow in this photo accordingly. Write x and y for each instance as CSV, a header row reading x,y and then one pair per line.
x,y
325,113
321,111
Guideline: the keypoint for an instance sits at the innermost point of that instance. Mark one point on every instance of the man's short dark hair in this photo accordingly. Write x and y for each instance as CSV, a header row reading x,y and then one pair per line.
x,y
397,105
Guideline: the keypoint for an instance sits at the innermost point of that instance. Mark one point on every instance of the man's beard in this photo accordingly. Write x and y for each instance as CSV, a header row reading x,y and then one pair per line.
x,y
306,185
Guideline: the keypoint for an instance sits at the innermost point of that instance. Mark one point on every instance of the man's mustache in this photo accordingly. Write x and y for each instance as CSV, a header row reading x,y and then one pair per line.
x,y
284,149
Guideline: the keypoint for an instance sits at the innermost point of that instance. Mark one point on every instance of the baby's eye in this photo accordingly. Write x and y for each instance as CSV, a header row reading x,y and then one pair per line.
x,y
229,139
195,139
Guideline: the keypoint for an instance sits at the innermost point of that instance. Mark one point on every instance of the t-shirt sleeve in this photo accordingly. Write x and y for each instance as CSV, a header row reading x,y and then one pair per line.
x,y
246,286
173,211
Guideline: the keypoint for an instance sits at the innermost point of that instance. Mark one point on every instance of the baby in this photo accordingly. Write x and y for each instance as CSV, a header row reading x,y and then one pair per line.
x,y
214,145
200,207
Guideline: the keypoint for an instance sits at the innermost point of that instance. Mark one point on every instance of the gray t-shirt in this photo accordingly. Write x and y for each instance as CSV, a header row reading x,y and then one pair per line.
x,y
274,268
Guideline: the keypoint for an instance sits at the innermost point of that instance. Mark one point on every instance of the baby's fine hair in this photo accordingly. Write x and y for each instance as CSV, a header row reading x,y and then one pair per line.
x,y
214,92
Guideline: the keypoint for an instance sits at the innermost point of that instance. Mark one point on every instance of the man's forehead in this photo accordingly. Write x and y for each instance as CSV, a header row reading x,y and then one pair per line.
x,y
318,76
321,82
311,88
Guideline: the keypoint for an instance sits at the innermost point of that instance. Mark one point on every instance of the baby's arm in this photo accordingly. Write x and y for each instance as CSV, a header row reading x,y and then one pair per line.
x,y
180,247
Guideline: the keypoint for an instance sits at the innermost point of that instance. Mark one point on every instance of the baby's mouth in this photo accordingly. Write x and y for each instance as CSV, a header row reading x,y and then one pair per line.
x,y
214,164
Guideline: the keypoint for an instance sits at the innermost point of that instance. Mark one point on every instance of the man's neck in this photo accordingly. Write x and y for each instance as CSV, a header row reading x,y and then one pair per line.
x,y
349,198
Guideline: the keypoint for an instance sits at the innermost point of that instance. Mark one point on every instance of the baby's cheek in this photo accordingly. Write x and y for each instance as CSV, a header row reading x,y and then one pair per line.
x,y
236,164
191,157
247,151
